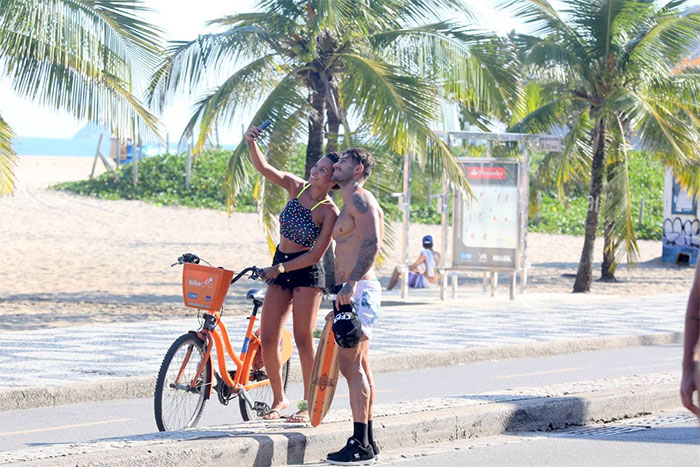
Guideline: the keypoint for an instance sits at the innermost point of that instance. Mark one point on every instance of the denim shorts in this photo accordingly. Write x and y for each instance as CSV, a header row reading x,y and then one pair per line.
x,y
310,276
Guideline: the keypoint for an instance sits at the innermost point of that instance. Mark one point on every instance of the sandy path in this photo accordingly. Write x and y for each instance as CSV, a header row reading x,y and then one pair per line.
x,y
69,259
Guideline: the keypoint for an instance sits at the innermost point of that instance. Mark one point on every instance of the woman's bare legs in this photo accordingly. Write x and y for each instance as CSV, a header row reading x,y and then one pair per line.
x,y
394,279
276,308
306,302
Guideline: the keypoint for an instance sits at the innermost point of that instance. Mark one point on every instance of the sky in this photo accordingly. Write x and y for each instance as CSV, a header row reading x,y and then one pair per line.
x,y
183,22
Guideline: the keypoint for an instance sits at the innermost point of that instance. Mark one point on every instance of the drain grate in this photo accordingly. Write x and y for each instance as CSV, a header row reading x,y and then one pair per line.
x,y
601,431
626,426
659,420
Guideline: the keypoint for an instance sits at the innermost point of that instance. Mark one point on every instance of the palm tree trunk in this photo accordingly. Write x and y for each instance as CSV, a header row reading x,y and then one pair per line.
x,y
585,265
607,270
314,147
333,125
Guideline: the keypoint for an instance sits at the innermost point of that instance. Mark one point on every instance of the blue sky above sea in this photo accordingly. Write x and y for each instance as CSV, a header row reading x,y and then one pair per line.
x,y
46,131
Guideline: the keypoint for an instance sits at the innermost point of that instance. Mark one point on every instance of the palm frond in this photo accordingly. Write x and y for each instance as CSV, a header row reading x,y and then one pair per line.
x,y
189,62
662,128
398,109
548,22
663,39
573,162
240,89
280,105
83,57
617,211
470,66
8,159
272,198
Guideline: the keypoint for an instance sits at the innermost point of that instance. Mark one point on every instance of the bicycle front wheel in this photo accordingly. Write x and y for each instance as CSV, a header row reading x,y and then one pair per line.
x,y
177,403
261,397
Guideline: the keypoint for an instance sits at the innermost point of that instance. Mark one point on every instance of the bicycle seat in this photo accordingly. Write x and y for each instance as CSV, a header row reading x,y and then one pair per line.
x,y
256,295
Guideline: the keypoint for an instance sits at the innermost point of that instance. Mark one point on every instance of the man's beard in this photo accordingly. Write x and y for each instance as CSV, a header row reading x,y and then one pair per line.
x,y
341,179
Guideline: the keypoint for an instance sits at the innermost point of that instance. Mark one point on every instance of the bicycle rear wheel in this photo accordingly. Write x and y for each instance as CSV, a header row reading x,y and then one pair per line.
x,y
262,396
178,405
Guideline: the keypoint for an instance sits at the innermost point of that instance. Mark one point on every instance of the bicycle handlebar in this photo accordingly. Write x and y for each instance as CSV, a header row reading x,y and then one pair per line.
x,y
255,272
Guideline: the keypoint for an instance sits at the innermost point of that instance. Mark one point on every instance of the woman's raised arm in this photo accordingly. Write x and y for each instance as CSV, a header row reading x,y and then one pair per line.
x,y
286,180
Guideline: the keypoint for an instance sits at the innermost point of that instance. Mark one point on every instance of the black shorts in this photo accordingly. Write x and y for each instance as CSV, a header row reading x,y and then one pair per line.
x,y
310,276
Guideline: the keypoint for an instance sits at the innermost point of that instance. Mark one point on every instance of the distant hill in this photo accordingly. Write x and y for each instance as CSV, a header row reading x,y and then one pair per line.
x,y
92,131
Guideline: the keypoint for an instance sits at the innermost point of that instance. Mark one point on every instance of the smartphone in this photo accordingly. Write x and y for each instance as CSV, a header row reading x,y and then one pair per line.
x,y
264,125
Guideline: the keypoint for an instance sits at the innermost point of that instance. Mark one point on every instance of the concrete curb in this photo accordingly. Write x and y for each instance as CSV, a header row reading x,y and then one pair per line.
x,y
296,446
142,386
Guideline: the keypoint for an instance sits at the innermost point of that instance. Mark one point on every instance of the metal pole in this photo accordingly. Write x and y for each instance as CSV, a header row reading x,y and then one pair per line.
x,y
188,166
406,208
444,226
525,190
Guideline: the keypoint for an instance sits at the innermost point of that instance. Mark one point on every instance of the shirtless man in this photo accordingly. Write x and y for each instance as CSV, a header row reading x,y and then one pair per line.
x,y
690,379
358,234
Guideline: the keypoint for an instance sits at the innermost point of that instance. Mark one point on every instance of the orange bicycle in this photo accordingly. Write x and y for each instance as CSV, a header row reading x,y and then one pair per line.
x,y
187,376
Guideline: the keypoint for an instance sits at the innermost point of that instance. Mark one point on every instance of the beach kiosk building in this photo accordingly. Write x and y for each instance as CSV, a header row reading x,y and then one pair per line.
x,y
681,229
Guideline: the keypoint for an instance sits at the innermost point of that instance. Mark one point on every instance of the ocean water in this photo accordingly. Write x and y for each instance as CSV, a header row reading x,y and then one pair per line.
x,y
81,147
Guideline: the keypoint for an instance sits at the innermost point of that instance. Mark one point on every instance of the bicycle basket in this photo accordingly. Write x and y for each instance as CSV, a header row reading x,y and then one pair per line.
x,y
205,287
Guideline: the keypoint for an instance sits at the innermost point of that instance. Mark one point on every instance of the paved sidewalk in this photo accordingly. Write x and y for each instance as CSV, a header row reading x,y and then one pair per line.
x,y
397,425
422,324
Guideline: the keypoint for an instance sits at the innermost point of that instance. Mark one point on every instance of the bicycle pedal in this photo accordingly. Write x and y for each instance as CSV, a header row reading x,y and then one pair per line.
x,y
261,408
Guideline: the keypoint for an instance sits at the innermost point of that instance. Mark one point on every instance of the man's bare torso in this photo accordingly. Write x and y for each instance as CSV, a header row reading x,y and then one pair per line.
x,y
347,244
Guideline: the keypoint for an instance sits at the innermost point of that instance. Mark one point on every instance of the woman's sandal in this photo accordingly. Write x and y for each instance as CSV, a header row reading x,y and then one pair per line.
x,y
269,415
302,415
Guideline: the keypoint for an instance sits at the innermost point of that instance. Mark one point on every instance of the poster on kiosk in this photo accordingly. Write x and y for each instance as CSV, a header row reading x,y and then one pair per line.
x,y
681,227
486,227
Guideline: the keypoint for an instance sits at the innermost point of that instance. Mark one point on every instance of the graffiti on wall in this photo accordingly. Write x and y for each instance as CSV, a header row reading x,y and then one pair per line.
x,y
682,233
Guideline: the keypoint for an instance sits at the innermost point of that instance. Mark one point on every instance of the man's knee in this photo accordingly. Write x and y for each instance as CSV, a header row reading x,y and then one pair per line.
x,y
349,366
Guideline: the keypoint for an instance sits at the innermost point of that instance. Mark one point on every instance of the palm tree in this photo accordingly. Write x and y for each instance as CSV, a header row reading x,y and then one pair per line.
x,y
80,56
605,71
314,66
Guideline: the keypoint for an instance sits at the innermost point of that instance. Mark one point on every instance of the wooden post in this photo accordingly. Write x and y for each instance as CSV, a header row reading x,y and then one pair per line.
x,y
97,154
134,157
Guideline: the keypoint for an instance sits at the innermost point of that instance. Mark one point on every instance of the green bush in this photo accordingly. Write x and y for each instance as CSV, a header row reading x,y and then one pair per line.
x,y
162,181
569,217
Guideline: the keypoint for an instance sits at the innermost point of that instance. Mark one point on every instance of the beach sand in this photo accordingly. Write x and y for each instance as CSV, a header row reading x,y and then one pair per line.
x,y
70,259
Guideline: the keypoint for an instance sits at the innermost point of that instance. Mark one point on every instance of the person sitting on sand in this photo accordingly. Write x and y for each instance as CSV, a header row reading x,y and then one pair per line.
x,y
423,272
296,278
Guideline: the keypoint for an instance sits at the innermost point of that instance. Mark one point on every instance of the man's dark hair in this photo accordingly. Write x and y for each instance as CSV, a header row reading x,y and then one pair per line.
x,y
333,156
361,156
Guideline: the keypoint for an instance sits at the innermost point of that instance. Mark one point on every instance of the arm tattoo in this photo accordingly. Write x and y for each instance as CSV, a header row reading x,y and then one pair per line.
x,y
693,318
365,258
345,289
360,203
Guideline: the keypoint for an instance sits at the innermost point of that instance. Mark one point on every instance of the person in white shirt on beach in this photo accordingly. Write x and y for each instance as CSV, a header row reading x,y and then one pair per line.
x,y
423,272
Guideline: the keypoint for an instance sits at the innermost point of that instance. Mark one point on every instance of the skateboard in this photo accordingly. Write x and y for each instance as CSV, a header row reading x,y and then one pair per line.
x,y
324,376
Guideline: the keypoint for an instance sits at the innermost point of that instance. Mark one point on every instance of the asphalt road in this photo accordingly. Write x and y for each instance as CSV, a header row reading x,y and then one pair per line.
x,y
668,444
114,419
